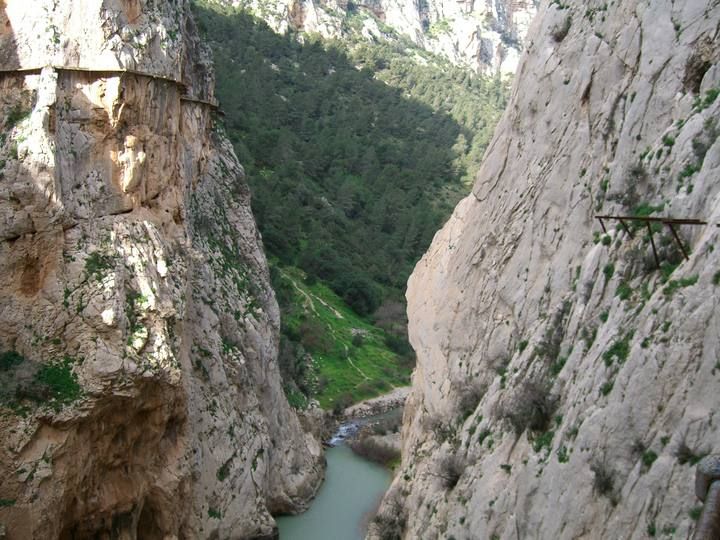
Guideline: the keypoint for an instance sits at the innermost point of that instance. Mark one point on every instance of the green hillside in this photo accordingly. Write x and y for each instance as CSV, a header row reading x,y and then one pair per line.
x,y
330,352
355,153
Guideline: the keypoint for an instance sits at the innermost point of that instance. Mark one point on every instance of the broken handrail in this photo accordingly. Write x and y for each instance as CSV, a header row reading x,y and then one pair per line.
x,y
36,70
118,71
668,221
211,104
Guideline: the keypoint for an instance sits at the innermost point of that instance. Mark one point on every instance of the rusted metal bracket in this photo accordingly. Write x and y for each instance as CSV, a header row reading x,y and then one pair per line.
x,y
668,221
652,242
210,104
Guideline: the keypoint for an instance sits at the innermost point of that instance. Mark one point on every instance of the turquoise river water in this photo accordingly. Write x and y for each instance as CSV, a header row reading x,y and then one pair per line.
x,y
346,501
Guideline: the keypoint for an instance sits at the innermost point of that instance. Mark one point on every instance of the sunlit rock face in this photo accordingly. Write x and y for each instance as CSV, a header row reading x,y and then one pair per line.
x,y
565,385
140,395
486,36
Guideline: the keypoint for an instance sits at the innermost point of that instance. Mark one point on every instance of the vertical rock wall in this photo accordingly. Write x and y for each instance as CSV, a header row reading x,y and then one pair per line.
x,y
565,386
138,330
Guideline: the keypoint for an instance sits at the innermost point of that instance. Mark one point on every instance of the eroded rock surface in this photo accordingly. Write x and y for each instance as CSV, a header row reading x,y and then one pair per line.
x,y
138,330
565,386
485,36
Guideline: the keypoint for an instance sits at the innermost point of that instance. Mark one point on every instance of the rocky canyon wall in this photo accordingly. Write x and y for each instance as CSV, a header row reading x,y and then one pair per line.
x,y
486,36
139,395
565,384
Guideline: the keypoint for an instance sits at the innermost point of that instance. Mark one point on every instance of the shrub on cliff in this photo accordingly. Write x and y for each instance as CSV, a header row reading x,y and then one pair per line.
x,y
390,524
532,407
53,383
469,394
449,470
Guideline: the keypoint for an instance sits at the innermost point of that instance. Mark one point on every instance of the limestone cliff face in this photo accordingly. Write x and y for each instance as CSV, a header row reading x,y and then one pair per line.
x,y
140,396
485,36
564,385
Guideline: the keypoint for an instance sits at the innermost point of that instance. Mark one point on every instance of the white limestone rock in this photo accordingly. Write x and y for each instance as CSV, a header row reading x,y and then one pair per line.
x,y
486,36
520,318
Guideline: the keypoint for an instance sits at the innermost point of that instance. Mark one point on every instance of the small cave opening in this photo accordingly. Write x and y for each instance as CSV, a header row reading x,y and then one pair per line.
x,y
697,65
150,523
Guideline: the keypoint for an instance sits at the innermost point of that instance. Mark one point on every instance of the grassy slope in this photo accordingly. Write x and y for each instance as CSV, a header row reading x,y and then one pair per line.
x,y
350,371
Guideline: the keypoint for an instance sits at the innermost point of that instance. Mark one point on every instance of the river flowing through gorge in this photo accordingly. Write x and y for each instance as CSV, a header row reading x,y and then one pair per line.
x,y
349,497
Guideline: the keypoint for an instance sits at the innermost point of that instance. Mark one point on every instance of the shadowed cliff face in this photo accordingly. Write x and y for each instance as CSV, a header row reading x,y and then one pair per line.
x,y
8,49
565,385
138,330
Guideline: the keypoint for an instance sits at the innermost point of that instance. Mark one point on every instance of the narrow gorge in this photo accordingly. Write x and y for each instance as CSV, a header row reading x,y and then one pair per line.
x,y
174,360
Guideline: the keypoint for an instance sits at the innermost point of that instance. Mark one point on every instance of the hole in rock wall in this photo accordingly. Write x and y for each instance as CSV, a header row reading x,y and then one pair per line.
x,y
149,525
118,526
697,65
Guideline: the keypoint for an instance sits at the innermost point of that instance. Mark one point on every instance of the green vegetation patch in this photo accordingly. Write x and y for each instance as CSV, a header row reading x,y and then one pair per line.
x,y
619,349
703,102
21,381
557,366
321,352
666,270
16,115
214,513
224,471
688,171
673,285
97,264
9,359
60,381
649,457
624,290
441,26
543,440
646,209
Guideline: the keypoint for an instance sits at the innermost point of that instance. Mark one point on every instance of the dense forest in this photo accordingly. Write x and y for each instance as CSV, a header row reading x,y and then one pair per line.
x,y
355,152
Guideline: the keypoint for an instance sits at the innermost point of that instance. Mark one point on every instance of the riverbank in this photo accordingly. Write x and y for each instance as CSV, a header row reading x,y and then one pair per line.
x,y
378,405
330,428
371,428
